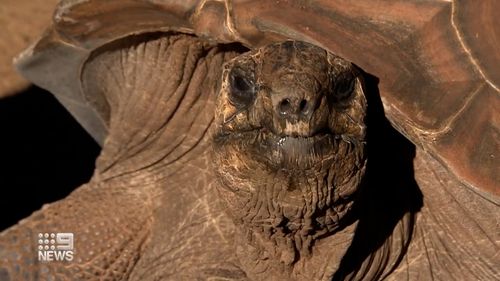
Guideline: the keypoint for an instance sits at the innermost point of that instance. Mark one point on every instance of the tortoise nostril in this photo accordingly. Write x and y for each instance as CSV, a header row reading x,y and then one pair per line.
x,y
294,108
303,106
285,106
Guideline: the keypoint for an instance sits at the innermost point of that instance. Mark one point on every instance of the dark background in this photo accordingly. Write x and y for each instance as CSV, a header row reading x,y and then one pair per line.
x,y
44,154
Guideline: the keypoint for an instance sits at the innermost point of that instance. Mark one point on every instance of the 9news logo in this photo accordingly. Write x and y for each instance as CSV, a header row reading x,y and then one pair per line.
x,y
55,247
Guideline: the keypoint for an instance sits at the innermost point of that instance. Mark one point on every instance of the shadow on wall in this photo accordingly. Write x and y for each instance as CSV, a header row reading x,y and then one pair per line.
x,y
44,154
390,193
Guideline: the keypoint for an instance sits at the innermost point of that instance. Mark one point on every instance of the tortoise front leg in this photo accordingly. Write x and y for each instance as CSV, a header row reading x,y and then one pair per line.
x,y
146,86
108,234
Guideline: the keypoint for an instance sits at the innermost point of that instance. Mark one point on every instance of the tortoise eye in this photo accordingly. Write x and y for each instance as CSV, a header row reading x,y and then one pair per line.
x,y
242,89
344,87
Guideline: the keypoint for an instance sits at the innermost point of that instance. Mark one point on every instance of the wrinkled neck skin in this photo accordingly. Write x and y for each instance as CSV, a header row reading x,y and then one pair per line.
x,y
281,214
155,93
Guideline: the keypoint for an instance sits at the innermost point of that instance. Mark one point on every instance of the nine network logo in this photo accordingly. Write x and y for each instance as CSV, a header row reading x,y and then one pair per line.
x,y
55,246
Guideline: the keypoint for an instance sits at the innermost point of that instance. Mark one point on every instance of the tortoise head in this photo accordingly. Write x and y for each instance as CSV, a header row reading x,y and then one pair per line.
x,y
289,143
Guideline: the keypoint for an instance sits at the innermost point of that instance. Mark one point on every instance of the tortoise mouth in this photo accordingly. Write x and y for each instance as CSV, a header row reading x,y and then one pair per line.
x,y
285,151
297,152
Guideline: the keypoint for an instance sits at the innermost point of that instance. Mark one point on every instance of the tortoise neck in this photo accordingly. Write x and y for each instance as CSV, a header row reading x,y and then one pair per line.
x,y
157,93
281,217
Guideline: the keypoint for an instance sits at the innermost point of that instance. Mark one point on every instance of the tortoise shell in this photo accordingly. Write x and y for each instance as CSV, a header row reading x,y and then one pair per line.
x,y
437,61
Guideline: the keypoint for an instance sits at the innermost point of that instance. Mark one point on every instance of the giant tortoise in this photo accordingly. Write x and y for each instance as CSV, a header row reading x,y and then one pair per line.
x,y
246,140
